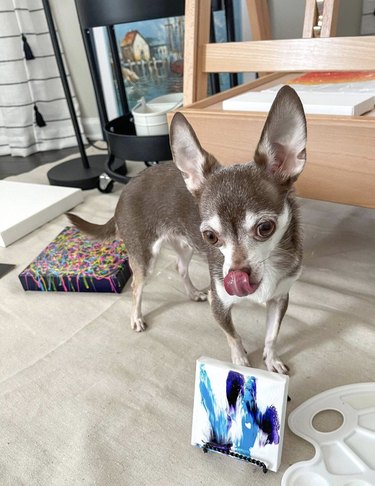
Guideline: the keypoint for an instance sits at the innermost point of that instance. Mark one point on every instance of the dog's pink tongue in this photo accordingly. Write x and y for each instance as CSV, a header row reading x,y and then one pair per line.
x,y
238,283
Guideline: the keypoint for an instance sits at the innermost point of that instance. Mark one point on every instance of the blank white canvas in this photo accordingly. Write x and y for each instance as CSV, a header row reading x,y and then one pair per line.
x,y
24,207
314,103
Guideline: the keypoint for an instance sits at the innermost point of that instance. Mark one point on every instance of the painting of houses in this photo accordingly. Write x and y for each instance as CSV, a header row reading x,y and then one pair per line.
x,y
151,54
134,47
159,51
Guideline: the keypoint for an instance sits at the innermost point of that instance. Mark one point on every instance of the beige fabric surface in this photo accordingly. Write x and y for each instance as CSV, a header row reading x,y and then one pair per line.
x,y
85,400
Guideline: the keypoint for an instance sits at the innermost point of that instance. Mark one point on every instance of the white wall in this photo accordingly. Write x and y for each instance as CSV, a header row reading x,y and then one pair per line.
x,y
287,18
368,18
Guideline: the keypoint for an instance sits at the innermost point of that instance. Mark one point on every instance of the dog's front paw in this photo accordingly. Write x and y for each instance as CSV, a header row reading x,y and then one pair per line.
x,y
274,363
240,359
237,351
137,324
198,295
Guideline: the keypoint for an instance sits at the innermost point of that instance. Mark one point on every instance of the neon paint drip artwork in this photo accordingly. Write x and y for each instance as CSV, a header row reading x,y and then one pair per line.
x,y
239,411
72,263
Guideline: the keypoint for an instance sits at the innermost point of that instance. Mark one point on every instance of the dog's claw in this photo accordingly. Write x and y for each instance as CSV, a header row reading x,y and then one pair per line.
x,y
138,325
280,367
275,364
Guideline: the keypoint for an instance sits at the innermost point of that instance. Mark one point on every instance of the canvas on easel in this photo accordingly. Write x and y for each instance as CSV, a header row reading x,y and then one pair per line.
x,y
240,412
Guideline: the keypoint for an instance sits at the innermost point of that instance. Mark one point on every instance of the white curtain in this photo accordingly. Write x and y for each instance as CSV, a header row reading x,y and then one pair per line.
x,y
31,92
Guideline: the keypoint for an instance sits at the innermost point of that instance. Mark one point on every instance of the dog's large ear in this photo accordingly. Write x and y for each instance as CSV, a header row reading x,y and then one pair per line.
x,y
194,163
282,147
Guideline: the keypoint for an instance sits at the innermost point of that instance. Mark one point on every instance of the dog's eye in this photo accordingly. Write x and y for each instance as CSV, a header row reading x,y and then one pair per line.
x,y
210,237
265,229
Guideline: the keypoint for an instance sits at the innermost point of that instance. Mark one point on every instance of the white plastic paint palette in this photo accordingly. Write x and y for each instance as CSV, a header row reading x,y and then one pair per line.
x,y
345,456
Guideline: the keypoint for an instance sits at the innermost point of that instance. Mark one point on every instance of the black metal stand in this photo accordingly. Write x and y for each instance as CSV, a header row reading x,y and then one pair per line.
x,y
82,172
209,446
123,143
73,173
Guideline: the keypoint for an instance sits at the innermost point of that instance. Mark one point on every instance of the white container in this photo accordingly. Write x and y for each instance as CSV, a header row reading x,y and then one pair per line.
x,y
151,118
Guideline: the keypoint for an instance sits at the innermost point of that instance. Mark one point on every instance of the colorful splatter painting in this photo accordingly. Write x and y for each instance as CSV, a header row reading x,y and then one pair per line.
x,y
240,412
72,263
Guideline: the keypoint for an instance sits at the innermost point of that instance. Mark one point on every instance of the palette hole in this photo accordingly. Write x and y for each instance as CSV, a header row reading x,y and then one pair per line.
x,y
327,421
337,460
360,402
368,421
307,478
362,445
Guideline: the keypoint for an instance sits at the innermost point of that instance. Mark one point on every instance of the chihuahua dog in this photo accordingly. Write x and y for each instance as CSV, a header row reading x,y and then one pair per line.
x,y
244,218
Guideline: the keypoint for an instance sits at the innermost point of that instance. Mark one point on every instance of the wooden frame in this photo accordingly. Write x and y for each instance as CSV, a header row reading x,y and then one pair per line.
x,y
341,156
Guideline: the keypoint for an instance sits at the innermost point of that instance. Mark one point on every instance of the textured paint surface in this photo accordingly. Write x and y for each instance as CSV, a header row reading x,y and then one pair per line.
x,y
332,77
71,262
217,416
241,408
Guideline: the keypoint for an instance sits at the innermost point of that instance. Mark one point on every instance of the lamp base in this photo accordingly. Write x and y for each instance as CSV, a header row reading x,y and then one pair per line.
x,y
72,173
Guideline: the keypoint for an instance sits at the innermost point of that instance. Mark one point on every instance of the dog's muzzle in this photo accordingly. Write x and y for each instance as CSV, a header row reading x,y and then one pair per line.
x,y
237,282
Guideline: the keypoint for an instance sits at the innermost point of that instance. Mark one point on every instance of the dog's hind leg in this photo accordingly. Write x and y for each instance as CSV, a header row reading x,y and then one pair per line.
x,y
185,252
139,276
142,264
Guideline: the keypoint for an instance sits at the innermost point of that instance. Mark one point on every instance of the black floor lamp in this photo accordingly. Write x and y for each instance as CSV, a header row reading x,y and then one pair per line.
x,y
84,171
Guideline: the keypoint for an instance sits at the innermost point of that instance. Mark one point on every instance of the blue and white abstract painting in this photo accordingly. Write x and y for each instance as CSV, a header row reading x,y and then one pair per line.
x,y
240,410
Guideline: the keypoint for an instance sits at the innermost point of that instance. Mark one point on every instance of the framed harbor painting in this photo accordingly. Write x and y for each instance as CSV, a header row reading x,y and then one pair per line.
x,y
151,55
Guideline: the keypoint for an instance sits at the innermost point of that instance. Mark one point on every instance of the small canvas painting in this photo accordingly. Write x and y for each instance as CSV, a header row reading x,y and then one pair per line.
x,y
240,411
74,263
